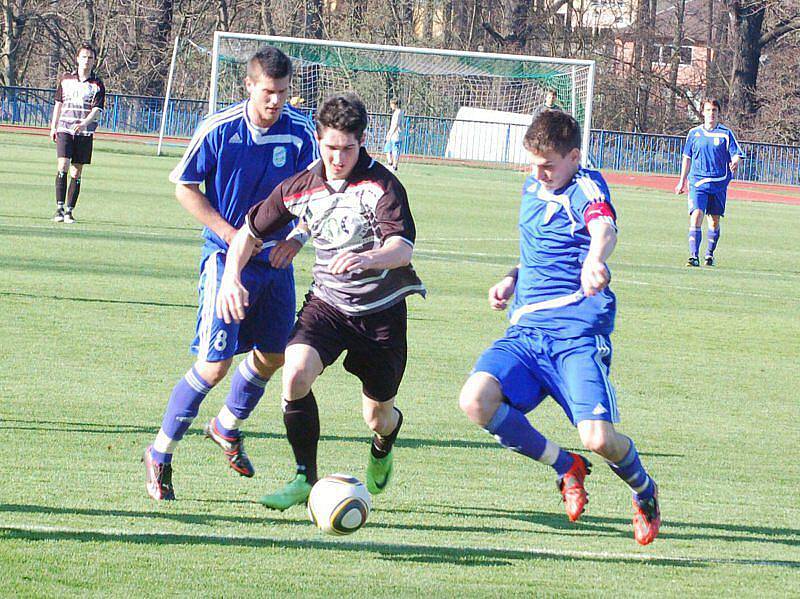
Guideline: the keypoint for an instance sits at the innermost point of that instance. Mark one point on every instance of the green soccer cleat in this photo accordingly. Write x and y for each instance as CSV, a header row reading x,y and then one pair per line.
x,y
293,493
379,473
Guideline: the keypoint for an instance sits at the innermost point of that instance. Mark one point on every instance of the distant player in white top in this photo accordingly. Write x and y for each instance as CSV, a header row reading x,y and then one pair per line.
x,y
79,101
711,156
394,136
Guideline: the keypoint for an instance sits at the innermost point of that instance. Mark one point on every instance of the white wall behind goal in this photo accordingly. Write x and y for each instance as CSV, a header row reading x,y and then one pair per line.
x,y
488,136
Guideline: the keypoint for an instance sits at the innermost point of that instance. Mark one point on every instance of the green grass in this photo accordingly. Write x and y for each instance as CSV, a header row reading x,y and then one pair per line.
x,y
96,322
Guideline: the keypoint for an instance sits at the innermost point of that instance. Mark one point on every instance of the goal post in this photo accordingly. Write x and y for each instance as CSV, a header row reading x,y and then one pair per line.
x,y
434,87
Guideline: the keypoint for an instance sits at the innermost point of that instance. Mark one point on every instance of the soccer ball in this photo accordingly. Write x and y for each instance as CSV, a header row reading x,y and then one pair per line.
x,y
339,504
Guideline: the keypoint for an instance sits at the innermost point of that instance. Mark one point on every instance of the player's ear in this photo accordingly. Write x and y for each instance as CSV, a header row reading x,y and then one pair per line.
x,y
575,155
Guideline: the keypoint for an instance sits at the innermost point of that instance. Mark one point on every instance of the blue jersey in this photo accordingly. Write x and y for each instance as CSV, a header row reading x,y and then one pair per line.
x,y
711,152
240,164
554,242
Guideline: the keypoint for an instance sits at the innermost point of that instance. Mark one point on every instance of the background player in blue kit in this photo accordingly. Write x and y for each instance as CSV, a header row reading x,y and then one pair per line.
x,y
561,318
240,155
710,157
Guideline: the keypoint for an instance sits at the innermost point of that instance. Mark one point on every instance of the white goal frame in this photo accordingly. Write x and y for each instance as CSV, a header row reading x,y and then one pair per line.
x,y
267,39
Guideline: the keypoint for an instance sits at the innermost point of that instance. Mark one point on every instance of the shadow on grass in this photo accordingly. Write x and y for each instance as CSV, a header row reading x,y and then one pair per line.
x,y
117,429
429,554
62,267
95,300
670,529
111,236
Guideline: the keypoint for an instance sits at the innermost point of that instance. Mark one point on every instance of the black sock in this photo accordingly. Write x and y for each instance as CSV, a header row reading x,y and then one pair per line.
x,y
381,446
301,418
74,190
61,189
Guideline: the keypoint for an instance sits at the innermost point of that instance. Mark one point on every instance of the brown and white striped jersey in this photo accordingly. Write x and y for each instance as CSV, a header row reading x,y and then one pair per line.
x,y
78,98
370,207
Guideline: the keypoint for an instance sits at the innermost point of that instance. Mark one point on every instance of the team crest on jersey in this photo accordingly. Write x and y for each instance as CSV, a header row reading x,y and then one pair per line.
x,y
279,156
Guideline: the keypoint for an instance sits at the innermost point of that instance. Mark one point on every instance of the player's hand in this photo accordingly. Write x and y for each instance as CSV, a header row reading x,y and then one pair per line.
x,y
53,134
680,187
733,166
500,293
78,128
284,252
232,300
594,276
350,261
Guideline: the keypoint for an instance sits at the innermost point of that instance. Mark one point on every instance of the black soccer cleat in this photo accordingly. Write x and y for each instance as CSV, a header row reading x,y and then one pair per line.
x,y
708,260
58,217
233,448
158,478
68,218
693,261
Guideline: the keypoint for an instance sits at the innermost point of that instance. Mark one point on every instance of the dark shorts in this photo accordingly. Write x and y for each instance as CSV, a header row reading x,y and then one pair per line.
x,y
78,148
376,343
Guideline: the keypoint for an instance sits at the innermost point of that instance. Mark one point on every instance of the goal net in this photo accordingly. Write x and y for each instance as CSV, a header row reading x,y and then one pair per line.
x,y
458,105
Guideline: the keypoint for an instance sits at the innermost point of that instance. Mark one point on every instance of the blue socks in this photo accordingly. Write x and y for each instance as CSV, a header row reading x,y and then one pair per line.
x,y
695,237
713,238
182,409
247,388
630,470
513,431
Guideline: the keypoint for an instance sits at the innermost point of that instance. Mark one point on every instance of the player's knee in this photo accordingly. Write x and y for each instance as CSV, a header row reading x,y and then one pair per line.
x,y
212,372
267,364
480,397
297,380
598,440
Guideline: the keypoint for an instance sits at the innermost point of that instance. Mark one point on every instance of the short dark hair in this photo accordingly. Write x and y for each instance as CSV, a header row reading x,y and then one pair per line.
x,y
343,112
713,101
89,47
269,61
553,130
396,101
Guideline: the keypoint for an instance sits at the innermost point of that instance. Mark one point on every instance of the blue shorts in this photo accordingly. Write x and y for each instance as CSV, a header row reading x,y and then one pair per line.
x,y
710,201
392,147
268,320
530,366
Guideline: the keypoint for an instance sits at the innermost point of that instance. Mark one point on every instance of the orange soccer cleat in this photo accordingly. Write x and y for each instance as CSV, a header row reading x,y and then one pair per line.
x,y
571,486
646,519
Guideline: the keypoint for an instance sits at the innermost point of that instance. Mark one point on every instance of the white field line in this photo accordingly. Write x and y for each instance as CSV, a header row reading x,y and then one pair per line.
x,y
121,534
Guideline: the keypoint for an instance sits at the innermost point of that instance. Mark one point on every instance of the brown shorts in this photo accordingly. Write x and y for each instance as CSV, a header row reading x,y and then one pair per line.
x,y
78,148
375,344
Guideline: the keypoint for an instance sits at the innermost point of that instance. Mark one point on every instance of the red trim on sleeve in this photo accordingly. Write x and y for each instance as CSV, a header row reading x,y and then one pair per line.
x,y
597,209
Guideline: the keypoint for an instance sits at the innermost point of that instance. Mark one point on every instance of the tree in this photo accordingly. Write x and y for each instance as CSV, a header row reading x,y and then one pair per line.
x,y
748,40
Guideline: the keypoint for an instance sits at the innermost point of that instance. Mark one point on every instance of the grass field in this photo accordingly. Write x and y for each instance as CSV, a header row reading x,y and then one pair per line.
x,y
97,318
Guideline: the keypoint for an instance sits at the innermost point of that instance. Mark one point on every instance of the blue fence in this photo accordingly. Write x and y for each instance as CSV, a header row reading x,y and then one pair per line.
x,y
434,137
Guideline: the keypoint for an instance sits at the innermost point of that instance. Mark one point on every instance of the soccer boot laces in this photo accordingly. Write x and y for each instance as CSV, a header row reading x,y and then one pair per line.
x,y
158,477
295,492
573,493
379,472
646,519
233,448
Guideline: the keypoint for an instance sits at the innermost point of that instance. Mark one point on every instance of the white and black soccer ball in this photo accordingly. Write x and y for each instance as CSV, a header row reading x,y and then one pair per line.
x,y
339,504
